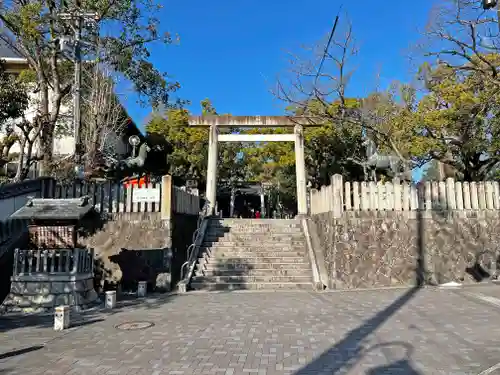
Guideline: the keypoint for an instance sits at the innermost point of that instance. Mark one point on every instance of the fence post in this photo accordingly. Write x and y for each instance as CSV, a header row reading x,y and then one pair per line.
x,y
167,197
338,192
451,194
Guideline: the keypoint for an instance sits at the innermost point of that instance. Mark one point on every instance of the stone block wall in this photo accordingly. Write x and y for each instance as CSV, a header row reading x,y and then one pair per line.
x,y
183,227
366,249
148,239
32,295
7,261
145,238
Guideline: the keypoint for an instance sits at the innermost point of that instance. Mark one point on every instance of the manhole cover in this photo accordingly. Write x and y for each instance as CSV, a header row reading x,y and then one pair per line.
x,y
134,326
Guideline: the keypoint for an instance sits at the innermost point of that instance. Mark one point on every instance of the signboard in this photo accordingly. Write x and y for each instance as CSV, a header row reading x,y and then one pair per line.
x,y
146,195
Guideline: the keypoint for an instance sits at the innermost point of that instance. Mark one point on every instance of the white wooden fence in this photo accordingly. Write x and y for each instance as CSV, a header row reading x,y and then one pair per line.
x,y
369,196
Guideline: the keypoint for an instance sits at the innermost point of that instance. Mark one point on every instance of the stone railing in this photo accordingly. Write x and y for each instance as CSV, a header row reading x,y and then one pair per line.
x,y
44,279
53,262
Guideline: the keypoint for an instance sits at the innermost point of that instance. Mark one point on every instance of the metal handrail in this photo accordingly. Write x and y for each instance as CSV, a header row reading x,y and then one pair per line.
x,y
192,256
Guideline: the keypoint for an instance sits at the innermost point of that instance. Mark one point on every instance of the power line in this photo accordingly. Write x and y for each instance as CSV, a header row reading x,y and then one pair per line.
x,y
327,46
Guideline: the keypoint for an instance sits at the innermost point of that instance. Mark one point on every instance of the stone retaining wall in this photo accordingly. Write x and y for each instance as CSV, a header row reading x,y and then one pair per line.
x,y
130,247
148,240
35,295
385,248
7,261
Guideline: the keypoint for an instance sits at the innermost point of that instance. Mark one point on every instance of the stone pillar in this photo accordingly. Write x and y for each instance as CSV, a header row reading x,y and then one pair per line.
x,y
262,202
231,203
211,191
61,318
142,288
300,167
110,299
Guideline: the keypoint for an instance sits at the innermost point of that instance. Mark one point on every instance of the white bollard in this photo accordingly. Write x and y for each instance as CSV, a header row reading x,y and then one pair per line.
x,y
110,302
142,288
61,318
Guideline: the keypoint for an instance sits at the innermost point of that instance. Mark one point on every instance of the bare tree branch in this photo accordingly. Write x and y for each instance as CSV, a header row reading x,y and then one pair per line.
x,y
321,96
462,37
103,117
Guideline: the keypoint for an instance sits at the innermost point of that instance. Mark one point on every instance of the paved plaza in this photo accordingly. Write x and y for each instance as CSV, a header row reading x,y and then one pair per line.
x,y
429,331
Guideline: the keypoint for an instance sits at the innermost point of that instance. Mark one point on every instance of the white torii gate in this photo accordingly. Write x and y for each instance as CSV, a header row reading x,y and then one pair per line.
x,y
214,122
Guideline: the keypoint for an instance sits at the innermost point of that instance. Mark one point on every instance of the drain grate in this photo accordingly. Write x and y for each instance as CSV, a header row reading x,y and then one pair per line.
x,y
134,326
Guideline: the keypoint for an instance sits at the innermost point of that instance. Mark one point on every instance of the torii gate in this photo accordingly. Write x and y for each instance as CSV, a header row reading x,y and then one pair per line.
x,y
214,122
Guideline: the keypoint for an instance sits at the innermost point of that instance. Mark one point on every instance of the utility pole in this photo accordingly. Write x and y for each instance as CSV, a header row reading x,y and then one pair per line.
x,y
78,20
77,89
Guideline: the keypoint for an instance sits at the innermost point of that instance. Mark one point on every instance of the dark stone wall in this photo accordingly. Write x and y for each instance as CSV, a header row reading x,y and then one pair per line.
x,y
6,268
380,249
7,261
146,238
129,248
183,227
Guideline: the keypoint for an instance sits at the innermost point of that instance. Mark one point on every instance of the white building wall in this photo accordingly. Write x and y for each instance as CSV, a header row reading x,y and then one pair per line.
x,y
64,140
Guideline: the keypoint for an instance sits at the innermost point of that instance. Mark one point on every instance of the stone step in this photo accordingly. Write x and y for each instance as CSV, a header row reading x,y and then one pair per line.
x,y
252,261
249,225
251,248
258,251
250,286
267,244
260,266
222,255
255,221
258,272
253,258
232,253
252,279
256,229
254,237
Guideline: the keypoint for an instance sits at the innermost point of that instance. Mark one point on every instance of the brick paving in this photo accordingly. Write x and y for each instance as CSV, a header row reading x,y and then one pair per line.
x,y
367,332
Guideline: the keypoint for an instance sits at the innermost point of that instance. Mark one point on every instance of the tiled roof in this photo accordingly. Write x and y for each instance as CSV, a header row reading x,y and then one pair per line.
x,y
54,209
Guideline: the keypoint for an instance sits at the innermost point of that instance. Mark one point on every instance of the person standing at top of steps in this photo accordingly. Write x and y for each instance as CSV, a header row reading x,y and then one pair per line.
x,y
257,214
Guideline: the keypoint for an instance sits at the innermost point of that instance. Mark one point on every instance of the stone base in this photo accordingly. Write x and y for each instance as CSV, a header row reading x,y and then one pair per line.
x,y
163,281
31,294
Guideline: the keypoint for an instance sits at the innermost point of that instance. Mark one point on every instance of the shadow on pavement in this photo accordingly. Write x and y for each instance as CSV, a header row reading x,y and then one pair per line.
x,y
78,319
400,366
344,355
15,353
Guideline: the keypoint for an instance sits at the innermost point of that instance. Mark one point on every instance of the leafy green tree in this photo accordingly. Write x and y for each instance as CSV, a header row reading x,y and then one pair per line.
x,y
189,146
187,158
35,29
458,119
14,101
432,173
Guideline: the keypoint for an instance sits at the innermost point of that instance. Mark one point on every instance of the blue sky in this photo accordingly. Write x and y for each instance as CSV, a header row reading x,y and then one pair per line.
x,y
232,51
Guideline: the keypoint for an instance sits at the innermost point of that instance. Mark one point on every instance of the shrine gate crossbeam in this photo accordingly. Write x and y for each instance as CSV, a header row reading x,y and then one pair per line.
x,y
215,122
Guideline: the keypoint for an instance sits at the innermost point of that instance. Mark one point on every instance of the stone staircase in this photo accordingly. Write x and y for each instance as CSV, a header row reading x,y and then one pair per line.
x,y
239,254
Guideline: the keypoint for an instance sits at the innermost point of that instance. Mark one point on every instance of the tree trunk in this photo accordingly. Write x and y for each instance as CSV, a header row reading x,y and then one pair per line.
x,y
46,148
29,160
46,141
20,161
